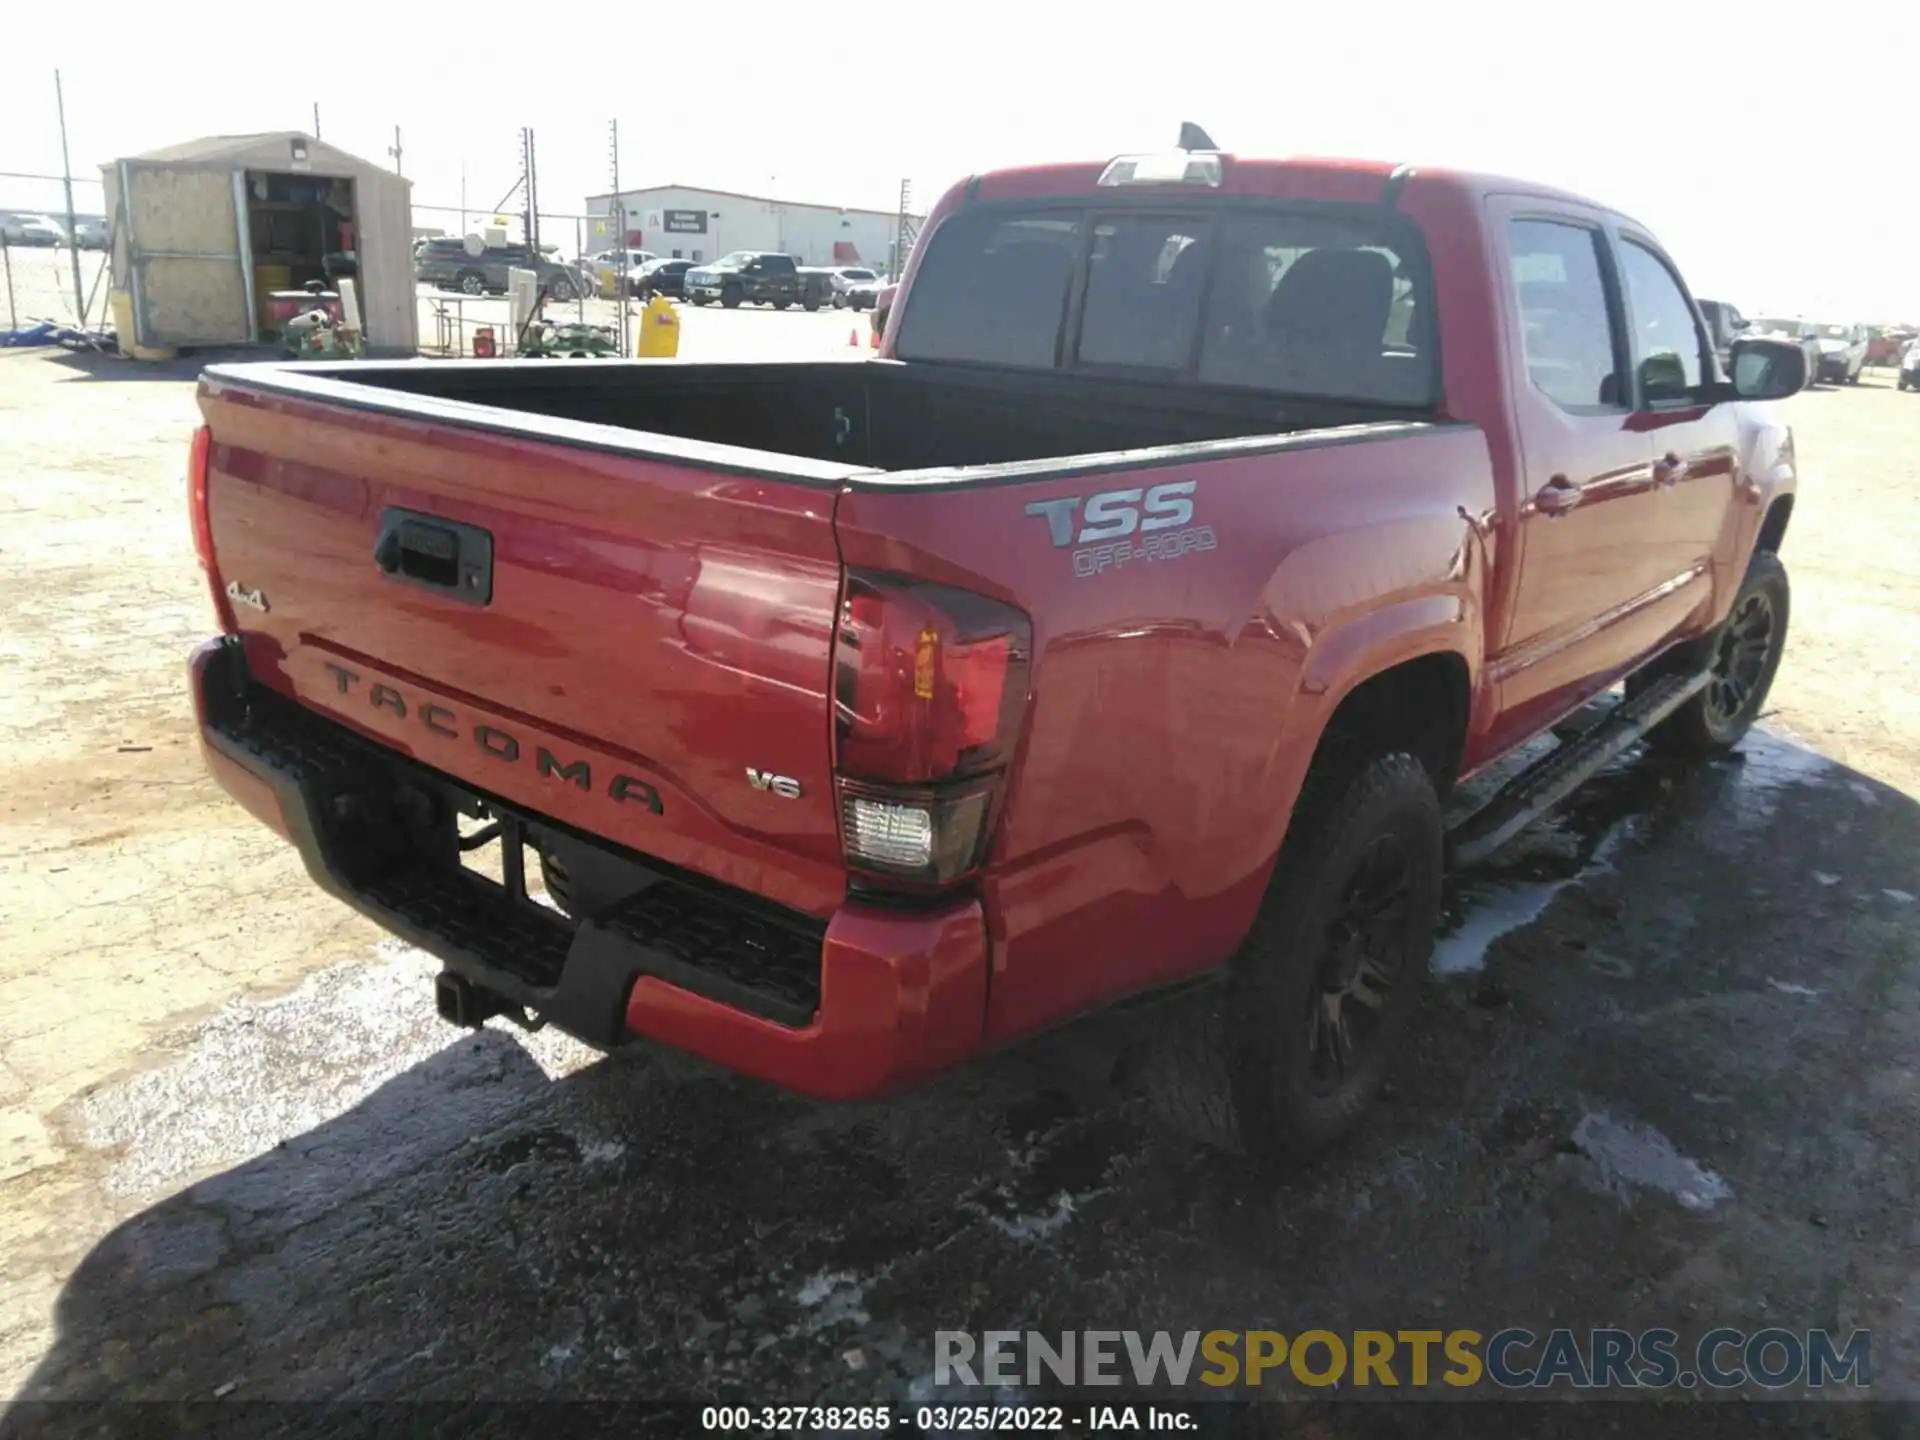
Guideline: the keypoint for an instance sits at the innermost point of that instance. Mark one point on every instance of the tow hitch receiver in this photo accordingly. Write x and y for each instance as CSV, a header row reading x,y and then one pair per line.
x,y
462,1003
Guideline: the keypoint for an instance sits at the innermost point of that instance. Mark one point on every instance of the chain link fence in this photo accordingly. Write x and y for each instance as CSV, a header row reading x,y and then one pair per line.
x,y
454,307
40,267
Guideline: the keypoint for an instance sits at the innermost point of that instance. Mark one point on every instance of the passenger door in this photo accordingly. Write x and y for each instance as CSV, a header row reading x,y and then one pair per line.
x,y
1579,603
1692,430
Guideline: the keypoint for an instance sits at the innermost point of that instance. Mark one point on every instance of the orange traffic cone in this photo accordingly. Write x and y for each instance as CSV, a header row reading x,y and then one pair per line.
x,y
873,340
853,338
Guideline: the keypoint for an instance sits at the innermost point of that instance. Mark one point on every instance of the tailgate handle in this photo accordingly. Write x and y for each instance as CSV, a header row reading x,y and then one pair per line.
x,y
443,555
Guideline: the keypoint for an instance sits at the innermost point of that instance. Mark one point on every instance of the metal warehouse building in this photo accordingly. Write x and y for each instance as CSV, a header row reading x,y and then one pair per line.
x,y
695,224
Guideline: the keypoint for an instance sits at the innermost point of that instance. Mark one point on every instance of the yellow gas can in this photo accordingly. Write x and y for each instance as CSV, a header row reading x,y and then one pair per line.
x,y
659,329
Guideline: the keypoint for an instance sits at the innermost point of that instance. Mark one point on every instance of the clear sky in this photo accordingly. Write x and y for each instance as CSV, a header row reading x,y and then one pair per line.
x,y
1773,148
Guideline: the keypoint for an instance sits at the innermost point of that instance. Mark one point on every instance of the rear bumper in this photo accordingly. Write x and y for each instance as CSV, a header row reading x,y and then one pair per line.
x,y
866,1002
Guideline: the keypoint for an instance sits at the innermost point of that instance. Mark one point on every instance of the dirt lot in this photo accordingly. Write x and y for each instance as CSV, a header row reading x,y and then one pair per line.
x,y
1669,1074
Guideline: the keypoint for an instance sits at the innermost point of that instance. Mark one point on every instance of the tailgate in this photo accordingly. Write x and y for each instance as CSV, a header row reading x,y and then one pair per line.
x,y
636,647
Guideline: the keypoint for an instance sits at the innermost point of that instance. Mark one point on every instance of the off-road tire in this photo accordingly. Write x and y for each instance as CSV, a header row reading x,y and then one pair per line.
x,y
1705,725
780,304
731,297
1231,1064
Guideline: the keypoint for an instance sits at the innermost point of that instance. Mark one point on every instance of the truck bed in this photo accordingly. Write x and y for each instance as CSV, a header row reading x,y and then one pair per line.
x,y
881,415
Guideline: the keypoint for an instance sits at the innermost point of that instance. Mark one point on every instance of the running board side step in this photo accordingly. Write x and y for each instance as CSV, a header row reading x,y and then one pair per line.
x,y
1549,780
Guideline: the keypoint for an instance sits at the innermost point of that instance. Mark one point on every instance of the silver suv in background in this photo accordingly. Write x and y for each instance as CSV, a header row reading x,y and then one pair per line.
x,y
446,264
1842,353
1725,324
1801,330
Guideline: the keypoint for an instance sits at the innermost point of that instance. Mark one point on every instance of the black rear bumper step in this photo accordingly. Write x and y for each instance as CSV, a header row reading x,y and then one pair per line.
x,y
1549,780
379,831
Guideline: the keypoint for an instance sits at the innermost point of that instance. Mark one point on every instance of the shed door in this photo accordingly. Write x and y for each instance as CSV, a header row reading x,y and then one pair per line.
x,y
183,246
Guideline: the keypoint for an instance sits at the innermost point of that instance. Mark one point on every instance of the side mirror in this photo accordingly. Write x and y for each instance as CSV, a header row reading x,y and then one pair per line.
x,y
1741,324
1663,377
1768,369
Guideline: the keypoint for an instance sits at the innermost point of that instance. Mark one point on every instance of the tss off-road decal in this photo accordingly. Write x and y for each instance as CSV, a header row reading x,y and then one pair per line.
x,y
1103,529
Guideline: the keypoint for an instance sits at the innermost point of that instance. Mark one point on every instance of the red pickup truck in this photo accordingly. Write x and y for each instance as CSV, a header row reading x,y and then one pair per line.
x,y
1116,631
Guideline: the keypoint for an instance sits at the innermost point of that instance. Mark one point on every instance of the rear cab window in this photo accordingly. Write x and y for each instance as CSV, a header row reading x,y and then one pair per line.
x,y
1324,301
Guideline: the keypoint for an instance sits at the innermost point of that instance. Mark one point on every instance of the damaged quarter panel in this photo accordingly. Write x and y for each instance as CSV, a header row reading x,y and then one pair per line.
x,y
1194,626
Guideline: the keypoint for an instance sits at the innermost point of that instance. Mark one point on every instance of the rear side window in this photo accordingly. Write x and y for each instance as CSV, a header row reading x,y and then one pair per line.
x,y
1564,318
992,290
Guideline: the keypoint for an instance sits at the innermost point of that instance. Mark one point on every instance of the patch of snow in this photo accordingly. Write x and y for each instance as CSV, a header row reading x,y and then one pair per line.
x,y
1032,1229
601,1152
1788,987
1503,910
1631,1154
1774,762
836,1298
1902,897
1825,879
1863,792
821,1286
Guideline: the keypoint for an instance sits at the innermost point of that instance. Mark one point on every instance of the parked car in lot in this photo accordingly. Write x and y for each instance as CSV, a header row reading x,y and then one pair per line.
x,y
1843,352
746,277
90,234
663,277
1910,366
1724,325
1886,345
751,656
882,306
607,262
447,265
854,287
816,286
1800,331
33,230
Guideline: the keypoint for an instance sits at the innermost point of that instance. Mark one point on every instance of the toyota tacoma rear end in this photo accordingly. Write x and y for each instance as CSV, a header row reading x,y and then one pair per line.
x,y
1115,633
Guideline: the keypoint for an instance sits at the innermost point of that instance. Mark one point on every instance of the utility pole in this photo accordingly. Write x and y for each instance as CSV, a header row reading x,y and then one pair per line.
x,y
904,234
316,119
394,150
530,185
617,211
66,175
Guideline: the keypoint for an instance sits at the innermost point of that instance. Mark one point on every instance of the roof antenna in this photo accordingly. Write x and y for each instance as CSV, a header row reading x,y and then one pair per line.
x,y
1192,137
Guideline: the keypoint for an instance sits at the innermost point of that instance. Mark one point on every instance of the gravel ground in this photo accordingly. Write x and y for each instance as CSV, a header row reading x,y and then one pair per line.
x,y
1667,1075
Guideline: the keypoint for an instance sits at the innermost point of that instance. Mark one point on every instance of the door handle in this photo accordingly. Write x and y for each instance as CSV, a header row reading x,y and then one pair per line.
x,y
1557,496
1669,470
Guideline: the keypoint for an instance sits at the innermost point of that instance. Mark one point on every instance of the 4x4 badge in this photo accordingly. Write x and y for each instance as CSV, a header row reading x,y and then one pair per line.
x,y
246,595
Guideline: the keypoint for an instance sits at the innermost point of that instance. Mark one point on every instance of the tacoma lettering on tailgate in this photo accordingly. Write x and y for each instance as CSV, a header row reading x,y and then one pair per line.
x,y
492,740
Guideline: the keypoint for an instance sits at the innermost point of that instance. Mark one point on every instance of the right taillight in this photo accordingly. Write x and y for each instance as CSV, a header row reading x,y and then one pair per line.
x,y
930,684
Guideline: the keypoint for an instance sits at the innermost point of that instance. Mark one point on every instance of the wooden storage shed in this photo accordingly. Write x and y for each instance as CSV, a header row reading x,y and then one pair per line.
x,y
203,232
